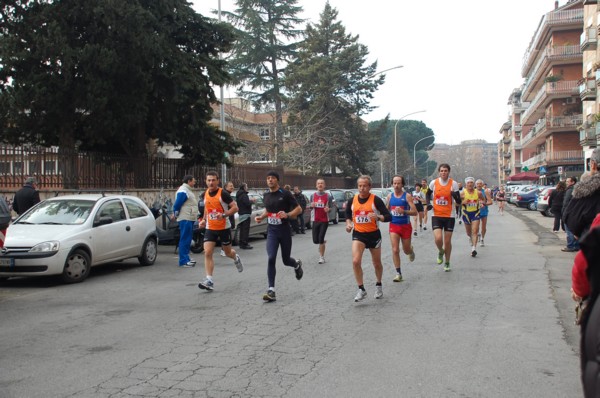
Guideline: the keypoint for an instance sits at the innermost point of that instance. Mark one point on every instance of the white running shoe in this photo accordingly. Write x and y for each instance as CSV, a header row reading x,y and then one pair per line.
x,y
321,260
379,292
238,263
360,295
411,256
223,253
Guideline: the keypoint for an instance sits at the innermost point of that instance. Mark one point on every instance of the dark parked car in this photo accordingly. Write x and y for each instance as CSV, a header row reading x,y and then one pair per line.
x,y
527,200
341,197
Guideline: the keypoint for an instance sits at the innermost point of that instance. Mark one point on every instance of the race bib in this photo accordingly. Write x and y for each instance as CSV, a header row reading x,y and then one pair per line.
x,y
319,204
213,215
441,201
273,219
396,211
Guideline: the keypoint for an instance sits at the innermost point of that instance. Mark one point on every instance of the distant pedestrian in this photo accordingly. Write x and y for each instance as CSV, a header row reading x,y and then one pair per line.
x,y
586,199
572,242
218,207
245,212
420,203
363,214
301,199
185,210
320,202
501,199
427,193
280,207
486,202
458,207
555,202
26,197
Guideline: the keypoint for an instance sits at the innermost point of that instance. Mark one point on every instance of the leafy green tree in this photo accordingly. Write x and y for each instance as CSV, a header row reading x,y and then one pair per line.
x,y
266,44
330,86
111,74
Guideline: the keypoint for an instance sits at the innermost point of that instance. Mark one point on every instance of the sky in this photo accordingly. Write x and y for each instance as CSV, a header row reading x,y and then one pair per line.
x,y
461,59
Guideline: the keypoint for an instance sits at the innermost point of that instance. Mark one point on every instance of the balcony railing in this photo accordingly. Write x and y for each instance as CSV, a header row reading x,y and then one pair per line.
x,y
506,155
563,88
553,18
587,137
507,140
543,125
589,39
587,90
552,54
556,157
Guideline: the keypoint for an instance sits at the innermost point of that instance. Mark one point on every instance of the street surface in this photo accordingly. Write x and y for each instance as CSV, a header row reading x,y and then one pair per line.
x,y
498,325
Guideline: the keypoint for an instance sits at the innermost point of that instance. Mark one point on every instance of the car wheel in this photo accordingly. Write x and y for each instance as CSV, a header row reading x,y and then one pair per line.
x,y
77,267
543,213
532,206
337,217
149,252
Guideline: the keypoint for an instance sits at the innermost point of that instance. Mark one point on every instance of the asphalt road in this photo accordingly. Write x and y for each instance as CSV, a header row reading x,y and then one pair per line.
x,y
498,325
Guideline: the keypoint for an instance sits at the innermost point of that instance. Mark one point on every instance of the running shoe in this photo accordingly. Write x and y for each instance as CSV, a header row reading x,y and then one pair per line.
x,y
473,253
206,284
378,292
298,269
447,267
411,256
238,263
440,257
222,253
269,296
482,244
415,233
321,260
398,278
360,295
189,264
460,221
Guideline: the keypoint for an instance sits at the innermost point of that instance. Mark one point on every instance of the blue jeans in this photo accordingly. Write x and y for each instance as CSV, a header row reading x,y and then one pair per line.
x,y
572,243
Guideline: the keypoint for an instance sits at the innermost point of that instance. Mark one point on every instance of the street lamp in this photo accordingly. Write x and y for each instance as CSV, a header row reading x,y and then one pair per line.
x,y
395,140
415,155
385,70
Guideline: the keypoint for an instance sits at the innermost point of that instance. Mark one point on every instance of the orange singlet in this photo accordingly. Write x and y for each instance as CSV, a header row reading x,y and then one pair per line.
x,y
442,198
362,222
212,207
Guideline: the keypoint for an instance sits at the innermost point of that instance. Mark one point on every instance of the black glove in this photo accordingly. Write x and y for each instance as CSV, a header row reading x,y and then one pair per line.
x,y
429,207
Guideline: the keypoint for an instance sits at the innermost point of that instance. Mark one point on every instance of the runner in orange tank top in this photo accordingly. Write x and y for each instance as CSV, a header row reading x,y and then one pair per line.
x,y
363,214
444,193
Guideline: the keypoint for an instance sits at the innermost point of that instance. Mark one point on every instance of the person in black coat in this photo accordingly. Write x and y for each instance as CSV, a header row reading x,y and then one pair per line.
x,y
585,203
555,202
244,211
26,197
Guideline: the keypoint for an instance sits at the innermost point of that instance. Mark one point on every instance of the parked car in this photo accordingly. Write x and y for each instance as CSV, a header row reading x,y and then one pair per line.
x,y
341,196
256,229
542,205
334,216
519,190
67,235
527,199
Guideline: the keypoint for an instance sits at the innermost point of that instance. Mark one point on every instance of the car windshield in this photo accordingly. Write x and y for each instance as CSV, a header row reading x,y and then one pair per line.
x,y
68,211
338,196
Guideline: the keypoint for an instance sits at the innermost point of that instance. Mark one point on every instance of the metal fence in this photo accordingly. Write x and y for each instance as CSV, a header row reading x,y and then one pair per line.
x,y
57,170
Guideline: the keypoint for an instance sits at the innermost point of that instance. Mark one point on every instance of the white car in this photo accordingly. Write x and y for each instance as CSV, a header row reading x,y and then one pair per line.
x,y
67,235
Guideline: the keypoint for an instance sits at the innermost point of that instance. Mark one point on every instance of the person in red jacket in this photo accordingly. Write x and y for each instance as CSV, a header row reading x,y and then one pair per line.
x,y
580,284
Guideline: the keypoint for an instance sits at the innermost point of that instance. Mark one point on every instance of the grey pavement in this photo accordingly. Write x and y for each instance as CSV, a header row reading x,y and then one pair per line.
x,y
498,325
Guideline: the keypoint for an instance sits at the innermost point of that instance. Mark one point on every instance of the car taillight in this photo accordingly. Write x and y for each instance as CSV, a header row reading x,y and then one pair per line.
x,y
519,197
546,197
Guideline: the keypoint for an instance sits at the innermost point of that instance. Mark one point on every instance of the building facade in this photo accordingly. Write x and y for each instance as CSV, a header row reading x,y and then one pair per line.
x,y
471,158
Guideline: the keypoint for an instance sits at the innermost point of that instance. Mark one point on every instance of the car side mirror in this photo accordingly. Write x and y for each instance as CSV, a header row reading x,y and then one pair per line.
x,y
103,221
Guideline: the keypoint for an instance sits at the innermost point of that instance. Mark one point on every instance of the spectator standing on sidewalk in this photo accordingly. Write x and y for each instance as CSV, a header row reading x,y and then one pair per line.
x,y
585,203
26,197
555,202
301,199
245,212
185,210
572,243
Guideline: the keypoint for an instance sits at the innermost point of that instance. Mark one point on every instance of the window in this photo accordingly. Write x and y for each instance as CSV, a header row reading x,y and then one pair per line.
x,y
18,168
4,167
113,209
34,167
50,166
264,134
134,209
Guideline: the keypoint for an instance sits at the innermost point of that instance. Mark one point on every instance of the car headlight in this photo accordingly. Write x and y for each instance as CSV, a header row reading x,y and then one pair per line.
x,y
50,246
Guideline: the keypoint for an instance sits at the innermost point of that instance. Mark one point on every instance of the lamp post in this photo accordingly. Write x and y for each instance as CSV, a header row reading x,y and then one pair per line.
x,y
395,139
415,155
222,114
385,70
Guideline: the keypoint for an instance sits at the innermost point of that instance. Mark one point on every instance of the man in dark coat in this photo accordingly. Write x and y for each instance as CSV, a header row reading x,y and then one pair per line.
x,y
26,197
572,243
586,199
244,211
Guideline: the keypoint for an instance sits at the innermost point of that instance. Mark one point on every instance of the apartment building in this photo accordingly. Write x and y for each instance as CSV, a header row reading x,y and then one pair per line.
x,y
470,158
542,134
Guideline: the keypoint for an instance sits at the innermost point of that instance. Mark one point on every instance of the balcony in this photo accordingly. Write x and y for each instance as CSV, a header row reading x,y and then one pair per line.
x,y
557,158
587,137
549,92
506,155
506,140
585,2
552,55
587,90
553,19
517,145
589,39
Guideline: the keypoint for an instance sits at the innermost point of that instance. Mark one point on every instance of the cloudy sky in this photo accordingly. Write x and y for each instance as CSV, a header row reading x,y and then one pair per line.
x,y
461,59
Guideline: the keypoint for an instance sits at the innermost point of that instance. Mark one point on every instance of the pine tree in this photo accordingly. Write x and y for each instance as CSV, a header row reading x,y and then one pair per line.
x,y
330,86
